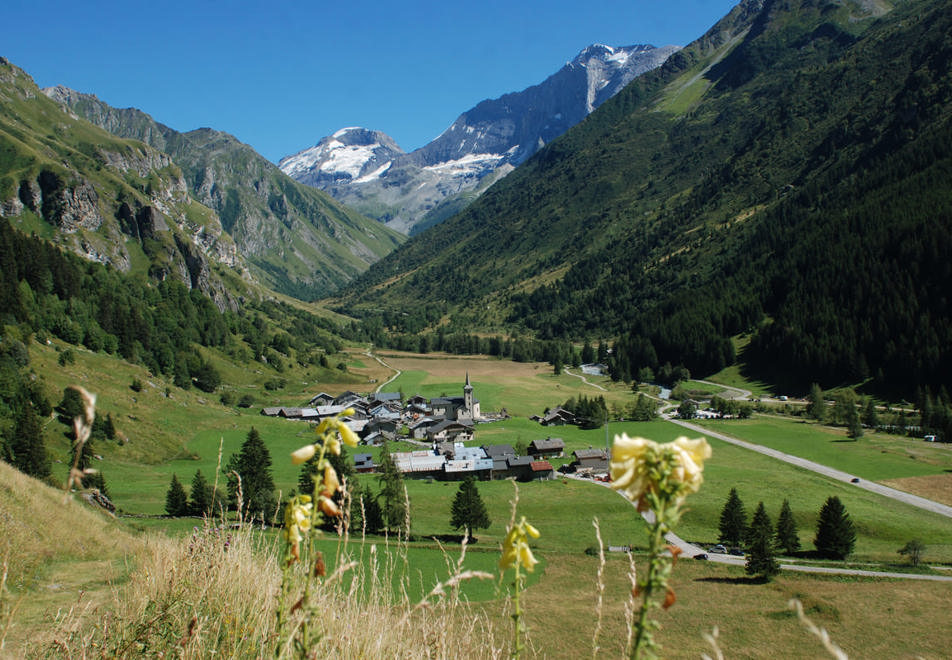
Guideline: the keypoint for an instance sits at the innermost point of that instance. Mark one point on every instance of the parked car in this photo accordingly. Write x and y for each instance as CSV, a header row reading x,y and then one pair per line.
x,y
701,555
737,552
719,549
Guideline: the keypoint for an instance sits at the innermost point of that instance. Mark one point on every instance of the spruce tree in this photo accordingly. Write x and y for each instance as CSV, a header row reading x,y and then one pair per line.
x,y
468,511
835,536
253,464
26,444
176,499
393,503
761,559
733,523
200,503
788,538
817,407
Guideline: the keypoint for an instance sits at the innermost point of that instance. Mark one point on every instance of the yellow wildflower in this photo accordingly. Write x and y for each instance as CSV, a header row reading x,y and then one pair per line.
x,y
515,548
303,455
297,519
347,435
640,467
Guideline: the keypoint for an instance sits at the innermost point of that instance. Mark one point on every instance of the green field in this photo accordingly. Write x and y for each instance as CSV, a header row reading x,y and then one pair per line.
x,y
875,456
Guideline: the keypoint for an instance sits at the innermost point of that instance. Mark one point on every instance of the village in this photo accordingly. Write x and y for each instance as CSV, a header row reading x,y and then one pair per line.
x,y
441,427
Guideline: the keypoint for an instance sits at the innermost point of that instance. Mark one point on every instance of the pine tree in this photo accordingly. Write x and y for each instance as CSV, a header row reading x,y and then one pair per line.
x,y
201,500
761,560
176,499
253,464
835,536
468,510
817,407
870,414
733,523
27,446
788,538
393,504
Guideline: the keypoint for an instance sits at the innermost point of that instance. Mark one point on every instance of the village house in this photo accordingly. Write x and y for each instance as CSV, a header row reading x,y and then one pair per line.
x,y
555,417
448,430
550,447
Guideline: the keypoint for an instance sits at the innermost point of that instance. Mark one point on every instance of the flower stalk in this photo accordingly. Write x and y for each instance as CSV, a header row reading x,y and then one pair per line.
x,y
656,478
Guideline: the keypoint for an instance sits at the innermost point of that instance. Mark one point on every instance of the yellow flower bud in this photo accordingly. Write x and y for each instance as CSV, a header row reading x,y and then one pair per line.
x,y
303,455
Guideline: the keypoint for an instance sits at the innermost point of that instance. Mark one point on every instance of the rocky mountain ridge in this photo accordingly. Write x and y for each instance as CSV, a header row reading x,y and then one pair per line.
x,y
295,239
110,200
368,171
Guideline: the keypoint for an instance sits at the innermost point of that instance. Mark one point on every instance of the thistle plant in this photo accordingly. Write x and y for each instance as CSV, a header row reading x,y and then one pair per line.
x,y
657,479
302,518
517,555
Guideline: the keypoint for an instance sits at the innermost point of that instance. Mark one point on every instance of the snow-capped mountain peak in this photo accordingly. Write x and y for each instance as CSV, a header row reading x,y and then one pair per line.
x,y
368,171
350,154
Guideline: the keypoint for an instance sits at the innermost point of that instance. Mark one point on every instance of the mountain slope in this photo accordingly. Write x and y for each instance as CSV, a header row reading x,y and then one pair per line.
x,y
368,171
111,200
778,171
297,239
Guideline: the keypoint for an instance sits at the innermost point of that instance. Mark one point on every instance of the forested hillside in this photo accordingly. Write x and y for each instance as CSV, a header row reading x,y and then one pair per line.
x,y
783,176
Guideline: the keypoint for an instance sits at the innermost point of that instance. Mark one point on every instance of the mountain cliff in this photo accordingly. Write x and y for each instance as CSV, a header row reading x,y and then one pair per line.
x,y
111,200
411,191
296,239
780,178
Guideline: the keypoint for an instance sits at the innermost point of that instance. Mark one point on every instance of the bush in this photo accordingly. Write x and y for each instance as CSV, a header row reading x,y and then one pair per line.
x,y
136,385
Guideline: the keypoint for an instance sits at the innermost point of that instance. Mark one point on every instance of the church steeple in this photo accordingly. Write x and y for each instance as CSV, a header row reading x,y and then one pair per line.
x,y
468,397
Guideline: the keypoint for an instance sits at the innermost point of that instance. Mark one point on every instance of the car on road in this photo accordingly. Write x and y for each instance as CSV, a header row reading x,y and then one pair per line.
x,y
737,552
854,480
701,555
718,549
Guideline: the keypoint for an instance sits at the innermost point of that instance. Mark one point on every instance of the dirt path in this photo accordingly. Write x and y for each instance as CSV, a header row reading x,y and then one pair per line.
x,y
585,380
395,376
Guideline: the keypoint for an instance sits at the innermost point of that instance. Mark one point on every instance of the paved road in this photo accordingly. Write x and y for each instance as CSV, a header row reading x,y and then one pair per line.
x,y
832,473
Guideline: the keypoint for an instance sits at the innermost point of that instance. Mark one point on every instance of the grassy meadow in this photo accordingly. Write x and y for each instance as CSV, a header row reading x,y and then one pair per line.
x,y
179,434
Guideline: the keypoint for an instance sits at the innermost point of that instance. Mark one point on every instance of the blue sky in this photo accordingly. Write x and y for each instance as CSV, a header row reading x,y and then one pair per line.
x,y
280,75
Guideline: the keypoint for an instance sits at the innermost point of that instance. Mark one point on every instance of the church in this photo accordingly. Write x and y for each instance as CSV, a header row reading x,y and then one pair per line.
x,y
460,408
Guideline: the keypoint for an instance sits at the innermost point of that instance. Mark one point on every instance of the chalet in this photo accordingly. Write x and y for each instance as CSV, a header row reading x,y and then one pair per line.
x,y
554,447
595,460
364,463
417,400
348,399
557,417
542,471
386,427
419,428
374,439
310,414
459,469
450,430
498,451
321,399
519,467
273,411
384,398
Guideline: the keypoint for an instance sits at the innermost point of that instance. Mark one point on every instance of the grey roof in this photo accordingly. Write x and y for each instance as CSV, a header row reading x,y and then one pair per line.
x,y
499,450
386,396
590,453
548,443
520,461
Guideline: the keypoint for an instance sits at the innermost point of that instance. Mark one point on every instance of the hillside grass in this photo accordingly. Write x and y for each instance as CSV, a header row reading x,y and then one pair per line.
x,y
876,456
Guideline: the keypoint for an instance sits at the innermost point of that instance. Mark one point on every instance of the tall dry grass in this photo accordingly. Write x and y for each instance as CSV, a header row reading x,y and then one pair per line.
x,y
215,593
